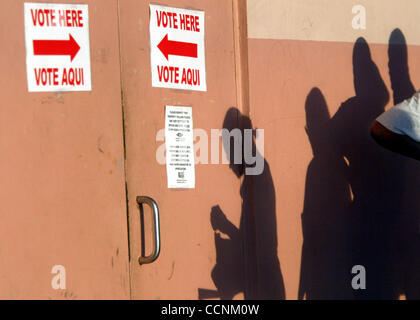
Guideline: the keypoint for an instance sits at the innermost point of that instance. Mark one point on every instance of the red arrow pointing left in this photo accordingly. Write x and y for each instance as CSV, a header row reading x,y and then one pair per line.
x,y
177,48
56,47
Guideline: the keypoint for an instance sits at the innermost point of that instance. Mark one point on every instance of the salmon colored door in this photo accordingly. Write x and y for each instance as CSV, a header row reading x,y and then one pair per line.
x,y
187,267
73,163
62,191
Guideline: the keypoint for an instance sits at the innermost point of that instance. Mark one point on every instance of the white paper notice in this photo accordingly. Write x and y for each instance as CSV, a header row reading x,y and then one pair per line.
x,y
57,47
179,147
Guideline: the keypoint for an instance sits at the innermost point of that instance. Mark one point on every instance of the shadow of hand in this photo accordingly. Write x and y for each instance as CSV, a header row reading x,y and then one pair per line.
x,y
218,219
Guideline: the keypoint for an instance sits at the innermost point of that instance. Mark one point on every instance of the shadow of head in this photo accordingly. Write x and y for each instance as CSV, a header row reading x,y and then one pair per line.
x,y
368,83
234,126
401,84
317,118
397,53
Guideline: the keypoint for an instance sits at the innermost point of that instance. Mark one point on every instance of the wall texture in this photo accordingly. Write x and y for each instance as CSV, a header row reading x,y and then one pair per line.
x,y
316,85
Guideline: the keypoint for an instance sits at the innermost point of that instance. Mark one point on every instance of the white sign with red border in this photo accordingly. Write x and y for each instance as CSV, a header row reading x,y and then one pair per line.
x,y
177,48
57,47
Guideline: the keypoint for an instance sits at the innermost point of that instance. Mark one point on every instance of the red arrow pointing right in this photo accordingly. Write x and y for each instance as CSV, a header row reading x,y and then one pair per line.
x,y
56,47
177,48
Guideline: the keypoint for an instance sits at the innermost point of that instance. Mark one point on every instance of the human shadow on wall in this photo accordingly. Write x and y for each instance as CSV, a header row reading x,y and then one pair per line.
x,y
368,229
409,218
324,265
246,257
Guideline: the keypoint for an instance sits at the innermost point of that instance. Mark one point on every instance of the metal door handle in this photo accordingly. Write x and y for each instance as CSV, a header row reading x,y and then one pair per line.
x,y
156,230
